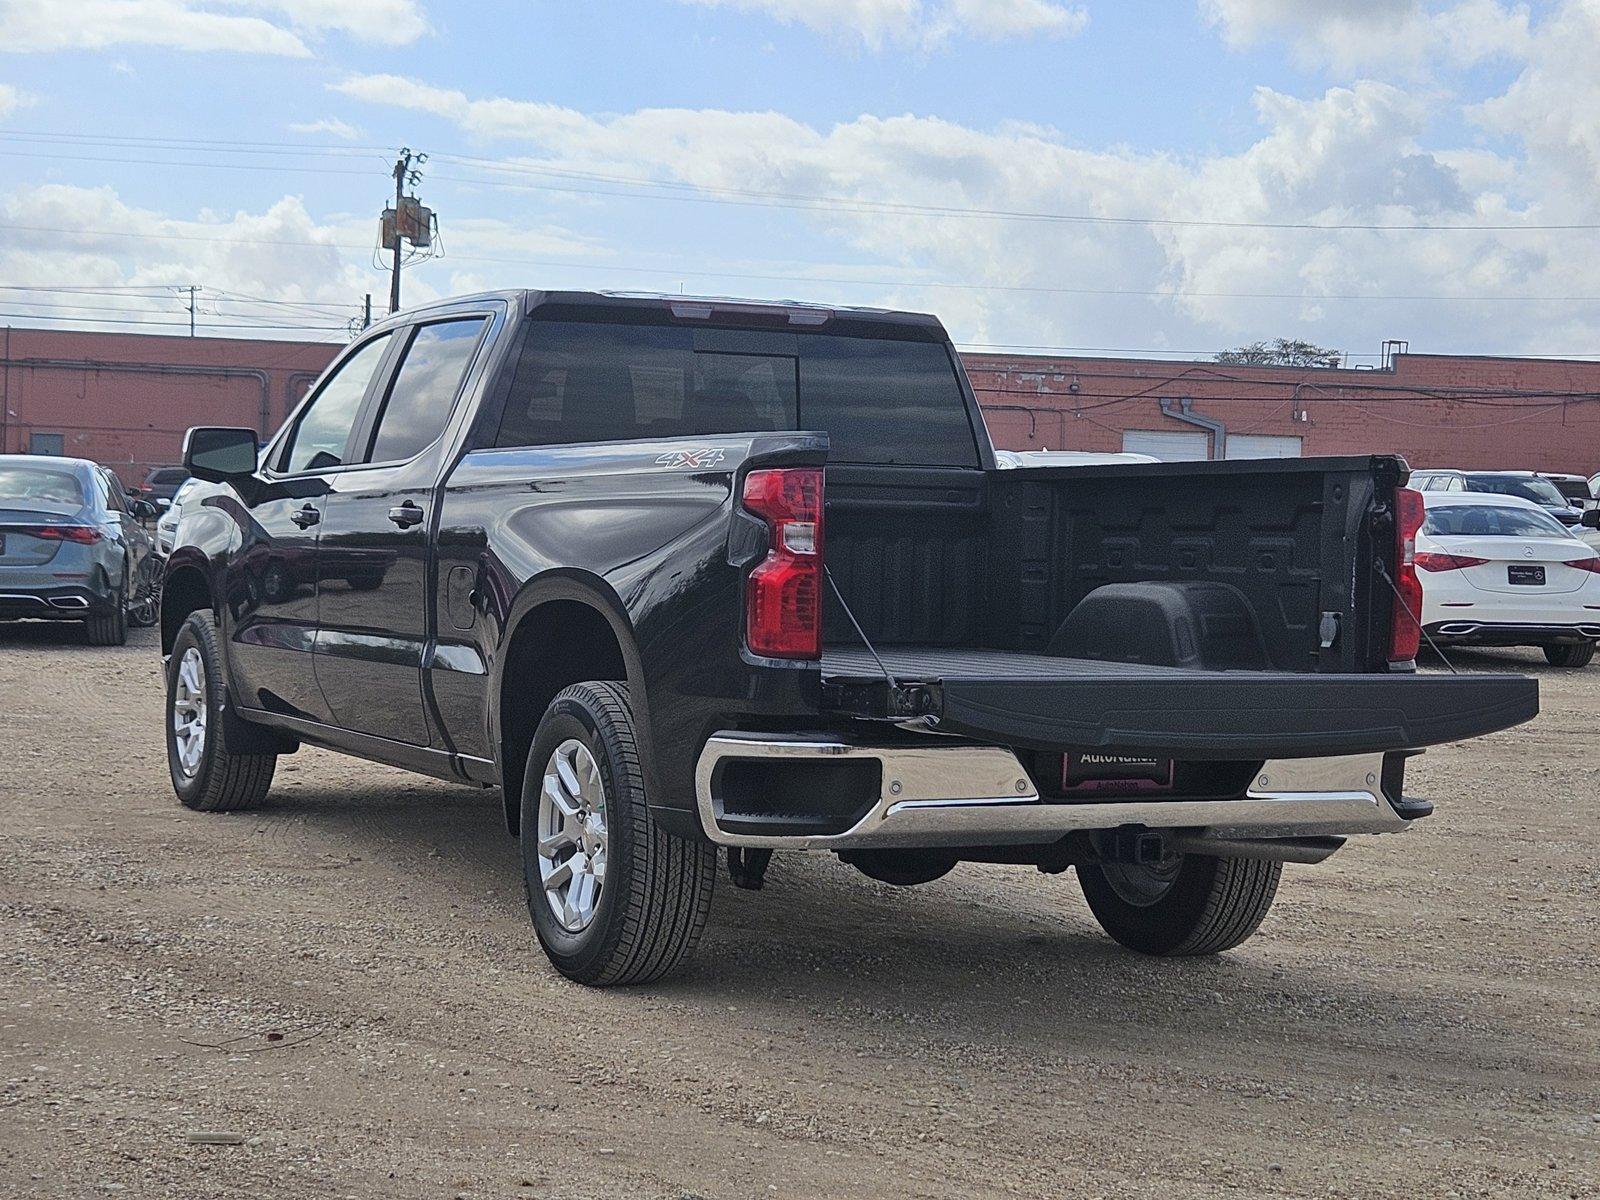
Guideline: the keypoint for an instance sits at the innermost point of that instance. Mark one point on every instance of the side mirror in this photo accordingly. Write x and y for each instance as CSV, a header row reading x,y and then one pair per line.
x,y
1590,519
162,503
219,454
143,509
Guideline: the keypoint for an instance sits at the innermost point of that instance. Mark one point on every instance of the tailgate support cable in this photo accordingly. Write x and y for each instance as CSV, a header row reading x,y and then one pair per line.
x,y
861,633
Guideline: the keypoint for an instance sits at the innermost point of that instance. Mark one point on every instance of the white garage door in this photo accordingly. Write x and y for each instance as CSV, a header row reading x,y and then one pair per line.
x,y
1168,447
1260,445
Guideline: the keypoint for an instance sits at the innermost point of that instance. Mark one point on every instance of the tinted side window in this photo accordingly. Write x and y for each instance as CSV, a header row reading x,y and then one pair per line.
x,y
884,401
319,438
424,389
579,382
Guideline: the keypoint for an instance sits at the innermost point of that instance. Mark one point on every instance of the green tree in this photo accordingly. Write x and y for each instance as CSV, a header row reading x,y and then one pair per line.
x,y
1281,352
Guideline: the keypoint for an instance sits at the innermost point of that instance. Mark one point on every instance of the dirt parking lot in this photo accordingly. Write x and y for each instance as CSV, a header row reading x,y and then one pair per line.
x,y
347,979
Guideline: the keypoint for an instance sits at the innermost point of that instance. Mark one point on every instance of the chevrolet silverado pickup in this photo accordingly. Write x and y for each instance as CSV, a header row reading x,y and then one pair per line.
x,y
693,581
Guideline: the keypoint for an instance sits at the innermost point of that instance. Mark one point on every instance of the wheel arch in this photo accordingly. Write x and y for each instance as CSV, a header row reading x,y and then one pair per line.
x,y
565,627
186,589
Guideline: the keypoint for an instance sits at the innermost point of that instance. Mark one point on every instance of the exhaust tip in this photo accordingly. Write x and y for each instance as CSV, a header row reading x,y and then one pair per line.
x,y
1457,628
68,602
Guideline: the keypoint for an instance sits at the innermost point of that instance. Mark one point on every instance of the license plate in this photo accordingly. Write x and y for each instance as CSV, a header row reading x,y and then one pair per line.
x,y
1524,574
1114,773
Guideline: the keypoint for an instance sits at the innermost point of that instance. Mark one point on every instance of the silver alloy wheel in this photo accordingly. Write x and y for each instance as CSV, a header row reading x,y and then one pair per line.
x,y
572,835
1142,884
189,711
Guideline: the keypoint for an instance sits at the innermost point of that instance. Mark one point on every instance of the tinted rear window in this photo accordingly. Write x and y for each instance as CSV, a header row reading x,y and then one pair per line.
x,y
881,401
1486,520
1540,491
22,482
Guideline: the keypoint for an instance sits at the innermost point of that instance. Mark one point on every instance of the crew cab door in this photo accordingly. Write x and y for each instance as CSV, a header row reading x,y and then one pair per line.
x,y
270,585
374,560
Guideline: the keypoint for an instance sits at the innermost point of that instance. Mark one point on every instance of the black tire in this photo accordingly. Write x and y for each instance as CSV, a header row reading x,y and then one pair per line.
x,y
1580,655
222,781
657,888
1210,904
110,628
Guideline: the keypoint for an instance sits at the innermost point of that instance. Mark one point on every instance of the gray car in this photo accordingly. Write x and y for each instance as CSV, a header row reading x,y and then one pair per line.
x,y
73,547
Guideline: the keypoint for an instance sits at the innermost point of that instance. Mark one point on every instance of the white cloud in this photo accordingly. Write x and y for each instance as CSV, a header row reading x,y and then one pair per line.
x,y
329,125
12,99
33,26
878,22
1351,35
1353,156
1553,107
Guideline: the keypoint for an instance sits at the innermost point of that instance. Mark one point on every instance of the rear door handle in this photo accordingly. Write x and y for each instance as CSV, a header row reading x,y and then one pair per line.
x,y
406,515
306,517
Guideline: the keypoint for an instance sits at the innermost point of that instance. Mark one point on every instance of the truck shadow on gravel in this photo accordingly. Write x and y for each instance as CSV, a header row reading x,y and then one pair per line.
x,y
986,956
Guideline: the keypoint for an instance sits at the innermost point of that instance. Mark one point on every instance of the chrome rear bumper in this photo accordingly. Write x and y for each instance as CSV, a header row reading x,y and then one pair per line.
x,y
963,795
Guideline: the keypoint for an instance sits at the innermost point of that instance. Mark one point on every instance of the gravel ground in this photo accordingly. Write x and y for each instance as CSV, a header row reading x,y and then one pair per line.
x,y
347,983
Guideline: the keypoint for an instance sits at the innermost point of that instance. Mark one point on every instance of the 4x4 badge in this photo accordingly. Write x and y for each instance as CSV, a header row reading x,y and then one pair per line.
x,y
691,460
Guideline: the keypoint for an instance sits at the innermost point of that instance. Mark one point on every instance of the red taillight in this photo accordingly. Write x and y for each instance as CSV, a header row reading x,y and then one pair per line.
x,y
783,598
84,535
1431,561
1587,564
1405,624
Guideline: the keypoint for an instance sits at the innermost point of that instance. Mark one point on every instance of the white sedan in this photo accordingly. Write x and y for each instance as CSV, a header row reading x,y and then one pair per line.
x,y
167,526
1499,571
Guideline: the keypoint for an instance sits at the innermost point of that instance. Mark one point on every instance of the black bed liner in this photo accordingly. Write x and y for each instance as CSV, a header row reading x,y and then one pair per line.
x,y
1042,702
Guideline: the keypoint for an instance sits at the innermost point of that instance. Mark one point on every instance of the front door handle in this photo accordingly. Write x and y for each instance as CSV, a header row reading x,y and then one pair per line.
x,y
406,515
306,517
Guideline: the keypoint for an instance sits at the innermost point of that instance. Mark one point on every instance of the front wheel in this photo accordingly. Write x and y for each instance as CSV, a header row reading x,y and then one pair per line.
x,y
1570,655
614,898
206,774
1186,904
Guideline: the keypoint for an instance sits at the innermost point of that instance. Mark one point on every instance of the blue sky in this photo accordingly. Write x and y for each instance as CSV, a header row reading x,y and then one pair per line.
x,y
241,145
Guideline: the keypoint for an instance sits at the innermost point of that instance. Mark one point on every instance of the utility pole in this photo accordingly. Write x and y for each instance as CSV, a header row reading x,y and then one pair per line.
x,y
407,221
401,166
366,313
191,289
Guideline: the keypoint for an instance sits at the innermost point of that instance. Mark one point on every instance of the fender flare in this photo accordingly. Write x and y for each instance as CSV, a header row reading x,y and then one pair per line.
x,y
592,591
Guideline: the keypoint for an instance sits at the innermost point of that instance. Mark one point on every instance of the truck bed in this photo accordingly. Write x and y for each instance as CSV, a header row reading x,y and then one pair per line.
x,y
1039,701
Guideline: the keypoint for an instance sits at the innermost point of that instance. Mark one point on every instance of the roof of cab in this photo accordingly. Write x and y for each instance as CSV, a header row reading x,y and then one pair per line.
x,y
797,313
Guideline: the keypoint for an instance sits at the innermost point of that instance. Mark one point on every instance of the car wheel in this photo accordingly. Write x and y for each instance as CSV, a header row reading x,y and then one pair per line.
x,y
206,774
614,898
1579,655
110,628
1187,904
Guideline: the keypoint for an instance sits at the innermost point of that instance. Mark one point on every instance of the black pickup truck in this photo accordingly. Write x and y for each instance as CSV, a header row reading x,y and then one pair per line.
x,y
678,574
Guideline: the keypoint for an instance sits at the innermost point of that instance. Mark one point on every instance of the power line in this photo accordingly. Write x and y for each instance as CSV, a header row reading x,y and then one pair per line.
x,y
680,190
838,281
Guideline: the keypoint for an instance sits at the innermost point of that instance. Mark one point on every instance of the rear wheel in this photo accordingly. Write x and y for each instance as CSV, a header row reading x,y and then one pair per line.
x,y
1186,904
1578,655
110,628
206,774
614,898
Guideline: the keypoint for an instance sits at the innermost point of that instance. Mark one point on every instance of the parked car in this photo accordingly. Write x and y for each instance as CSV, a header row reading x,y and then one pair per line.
x,y
1500,571
1523,484
162,484
167,523
1008,460
73,547
1574,487
682,574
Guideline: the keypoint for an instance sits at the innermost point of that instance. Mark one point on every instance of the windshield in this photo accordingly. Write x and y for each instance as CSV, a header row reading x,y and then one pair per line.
x,y
1540,491
23,481
1572,489
1491,520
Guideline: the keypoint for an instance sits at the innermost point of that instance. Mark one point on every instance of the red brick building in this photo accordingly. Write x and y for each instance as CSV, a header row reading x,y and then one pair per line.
x,y
125,399
1437,410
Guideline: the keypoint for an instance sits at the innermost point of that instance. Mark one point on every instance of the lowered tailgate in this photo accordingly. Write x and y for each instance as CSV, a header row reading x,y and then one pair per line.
x,y
1042,702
